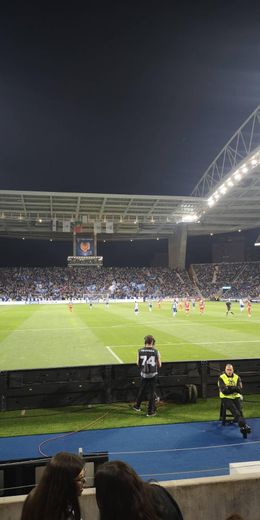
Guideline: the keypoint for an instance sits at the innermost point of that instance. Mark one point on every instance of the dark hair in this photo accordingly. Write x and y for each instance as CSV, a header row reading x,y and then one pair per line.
x,y
149,340
57,491
235,516
121,494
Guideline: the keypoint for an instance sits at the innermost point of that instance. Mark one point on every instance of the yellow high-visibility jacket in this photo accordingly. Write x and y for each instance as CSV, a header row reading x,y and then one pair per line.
x,y
229,381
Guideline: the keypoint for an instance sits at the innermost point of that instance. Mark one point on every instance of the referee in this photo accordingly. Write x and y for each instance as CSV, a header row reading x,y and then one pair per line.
x,y
148,360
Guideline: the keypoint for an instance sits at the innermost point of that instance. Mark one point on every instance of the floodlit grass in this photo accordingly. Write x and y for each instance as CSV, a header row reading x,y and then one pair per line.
x,y
44,336
118,415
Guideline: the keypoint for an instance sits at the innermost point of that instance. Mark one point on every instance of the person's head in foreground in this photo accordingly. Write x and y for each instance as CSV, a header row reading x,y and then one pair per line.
x,y
122,495
56,495
235,517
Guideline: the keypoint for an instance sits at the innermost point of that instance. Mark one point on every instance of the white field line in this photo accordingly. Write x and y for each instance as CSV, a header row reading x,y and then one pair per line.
x,y
123,325
187,472
115,356
170,344
197,448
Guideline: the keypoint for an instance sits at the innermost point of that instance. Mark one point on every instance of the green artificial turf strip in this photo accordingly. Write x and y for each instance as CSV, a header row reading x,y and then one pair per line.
x,y
119,415
45,336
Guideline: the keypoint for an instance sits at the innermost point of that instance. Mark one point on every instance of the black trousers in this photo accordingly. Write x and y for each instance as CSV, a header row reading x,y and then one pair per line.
x,y
147,389
234,406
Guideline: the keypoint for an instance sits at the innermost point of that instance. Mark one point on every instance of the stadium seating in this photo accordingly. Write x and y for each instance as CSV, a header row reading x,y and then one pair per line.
x,y
62,283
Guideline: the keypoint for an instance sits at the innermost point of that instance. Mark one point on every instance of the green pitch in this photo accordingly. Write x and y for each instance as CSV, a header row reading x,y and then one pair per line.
x,y
44,336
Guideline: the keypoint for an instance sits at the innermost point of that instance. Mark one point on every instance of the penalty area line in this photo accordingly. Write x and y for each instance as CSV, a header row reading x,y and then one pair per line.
x,y
115,356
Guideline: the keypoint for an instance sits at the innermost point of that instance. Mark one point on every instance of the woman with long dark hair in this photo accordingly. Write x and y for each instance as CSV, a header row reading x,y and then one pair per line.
x,y
122,495
56,495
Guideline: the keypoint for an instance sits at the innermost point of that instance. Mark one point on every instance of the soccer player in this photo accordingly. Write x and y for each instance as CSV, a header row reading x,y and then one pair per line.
x,y
187,307
241,305
150,306
136,308
228,305
202,306
174,308
249,308
148,360
70,306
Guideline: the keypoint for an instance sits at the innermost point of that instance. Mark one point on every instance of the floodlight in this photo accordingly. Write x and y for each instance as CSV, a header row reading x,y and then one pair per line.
x,y
237,176
189,218
223,189
257,242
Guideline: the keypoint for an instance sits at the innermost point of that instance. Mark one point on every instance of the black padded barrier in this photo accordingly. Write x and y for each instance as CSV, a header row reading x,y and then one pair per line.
x,y
47,388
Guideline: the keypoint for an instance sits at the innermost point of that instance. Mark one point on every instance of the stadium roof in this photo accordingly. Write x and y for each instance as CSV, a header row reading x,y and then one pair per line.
x,y
226,199
34,214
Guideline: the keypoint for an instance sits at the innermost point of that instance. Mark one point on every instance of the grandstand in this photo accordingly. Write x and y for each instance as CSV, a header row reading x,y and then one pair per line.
x,y
226,200
193,347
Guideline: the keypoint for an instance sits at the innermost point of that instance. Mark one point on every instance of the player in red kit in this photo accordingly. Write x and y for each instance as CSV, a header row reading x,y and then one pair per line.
x,y
202,306
187,307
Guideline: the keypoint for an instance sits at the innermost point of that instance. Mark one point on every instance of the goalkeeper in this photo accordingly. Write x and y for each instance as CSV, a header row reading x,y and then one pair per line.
x,y
230,390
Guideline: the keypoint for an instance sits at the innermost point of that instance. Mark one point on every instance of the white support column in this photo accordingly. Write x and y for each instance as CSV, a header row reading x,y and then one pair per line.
x,y
74,244
177,248
95,244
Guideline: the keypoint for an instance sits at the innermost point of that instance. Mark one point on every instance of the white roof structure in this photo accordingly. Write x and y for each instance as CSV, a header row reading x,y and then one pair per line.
x,y
226,199
231,184
34,214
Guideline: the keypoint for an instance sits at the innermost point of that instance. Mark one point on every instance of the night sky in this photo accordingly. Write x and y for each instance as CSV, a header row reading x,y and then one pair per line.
x,y
122,97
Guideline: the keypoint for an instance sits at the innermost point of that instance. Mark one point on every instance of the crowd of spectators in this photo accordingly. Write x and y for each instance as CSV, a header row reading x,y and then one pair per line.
x,y
93,283
234,280
57,283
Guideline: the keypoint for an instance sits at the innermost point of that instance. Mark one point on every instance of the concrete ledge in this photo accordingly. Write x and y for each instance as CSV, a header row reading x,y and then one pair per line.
x,y
241,468
202,498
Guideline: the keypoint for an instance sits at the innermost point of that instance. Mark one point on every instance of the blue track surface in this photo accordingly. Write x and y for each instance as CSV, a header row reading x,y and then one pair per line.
x,y
164,452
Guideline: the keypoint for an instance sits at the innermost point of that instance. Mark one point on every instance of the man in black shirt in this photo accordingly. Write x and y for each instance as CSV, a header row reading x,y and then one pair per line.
x,y
228,305
148,360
